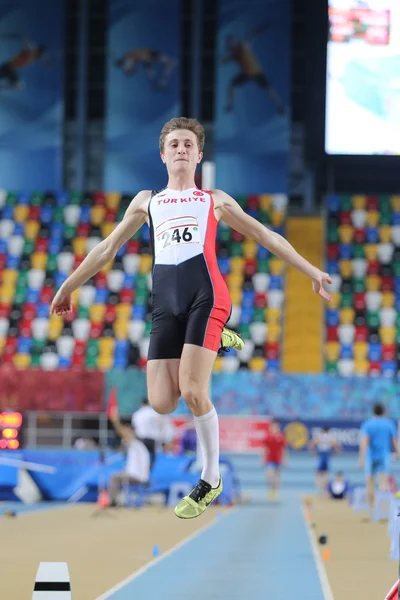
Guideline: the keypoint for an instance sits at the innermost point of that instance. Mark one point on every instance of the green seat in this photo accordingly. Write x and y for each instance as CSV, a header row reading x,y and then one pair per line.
x,y
242,201
373,320
226,234
38,345
265,217
244,331
398,337
69,232
396,267
346,204
19,296
358,284
358,251
35,360
263,266
385,219
141,282
346,300
58,215
147,329
29,247
37,198
331,367
259,315
12,199
52,263
398,320
332,235
236,249
75,198
83,312
385,204
91,361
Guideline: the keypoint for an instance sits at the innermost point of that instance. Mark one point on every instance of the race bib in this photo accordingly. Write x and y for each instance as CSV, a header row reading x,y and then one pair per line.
x,y
180,230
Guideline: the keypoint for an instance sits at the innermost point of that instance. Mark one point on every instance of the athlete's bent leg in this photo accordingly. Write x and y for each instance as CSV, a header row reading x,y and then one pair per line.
x,y
163,384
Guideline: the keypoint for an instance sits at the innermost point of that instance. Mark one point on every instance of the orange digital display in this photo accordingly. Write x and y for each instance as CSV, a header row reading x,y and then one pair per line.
x,y
10,424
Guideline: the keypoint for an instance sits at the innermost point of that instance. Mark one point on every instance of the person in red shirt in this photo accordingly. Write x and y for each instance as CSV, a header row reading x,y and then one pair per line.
x,y
275,445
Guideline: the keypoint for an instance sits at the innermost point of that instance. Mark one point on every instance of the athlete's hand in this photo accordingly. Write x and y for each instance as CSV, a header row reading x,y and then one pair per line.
x,y
317,283
62,303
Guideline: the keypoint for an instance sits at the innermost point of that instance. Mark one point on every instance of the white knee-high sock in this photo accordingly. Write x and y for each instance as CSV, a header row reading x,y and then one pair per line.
x,y
207,430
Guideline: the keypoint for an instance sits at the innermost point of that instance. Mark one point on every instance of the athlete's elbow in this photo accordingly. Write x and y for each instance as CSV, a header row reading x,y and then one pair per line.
x,y
107,252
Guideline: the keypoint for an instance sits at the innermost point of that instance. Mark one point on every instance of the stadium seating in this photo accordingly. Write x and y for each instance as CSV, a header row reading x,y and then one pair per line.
x,y
363,257
44,236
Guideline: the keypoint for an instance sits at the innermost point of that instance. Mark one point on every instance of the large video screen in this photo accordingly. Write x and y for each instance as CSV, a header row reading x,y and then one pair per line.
x,y
363,77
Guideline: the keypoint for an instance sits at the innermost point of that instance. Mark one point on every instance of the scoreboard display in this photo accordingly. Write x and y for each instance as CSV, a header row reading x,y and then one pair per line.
x,y
10,430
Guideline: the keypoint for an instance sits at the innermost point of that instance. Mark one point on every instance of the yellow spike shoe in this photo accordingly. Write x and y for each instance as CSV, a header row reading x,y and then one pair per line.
x,y
231,339
198,500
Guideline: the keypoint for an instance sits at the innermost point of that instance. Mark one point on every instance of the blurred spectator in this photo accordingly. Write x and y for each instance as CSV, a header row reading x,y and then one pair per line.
x,y
338,488
152,428
323,445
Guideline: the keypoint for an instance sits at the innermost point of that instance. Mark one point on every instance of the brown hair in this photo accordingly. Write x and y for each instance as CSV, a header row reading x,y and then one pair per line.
x,y
183,123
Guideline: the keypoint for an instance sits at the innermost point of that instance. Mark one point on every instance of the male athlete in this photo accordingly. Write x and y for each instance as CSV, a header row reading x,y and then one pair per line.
x,y
378,437
191,302
323,445
149,59
241,53
275,445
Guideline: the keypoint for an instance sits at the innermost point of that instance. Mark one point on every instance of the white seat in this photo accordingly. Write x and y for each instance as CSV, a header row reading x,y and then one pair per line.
x,y
15,245
72,214
346,367
40,328
279,202
6,228
49,361
388,317
373,300
144,347
115,280
396,235
36,278
258,332
65,345
275,298
230,364
3,198
65,261
92,242
359,218
335,285
131,263
360,266
4,326
235,316
80,329
385,253
136,330
346,333
260,282
149,281
247,352
87,295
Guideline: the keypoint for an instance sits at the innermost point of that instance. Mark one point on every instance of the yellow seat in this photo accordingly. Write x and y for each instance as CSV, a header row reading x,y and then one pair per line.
x,y
387,335
346,316
372,218
106,229
361,366
121,329
395,202
385,234
274,332
237,265
235,281
31,230
373,283
21,213
79,246
9,277
105,362
39,260
107,267
22,361
332,350
335,302
7,294
123,312
106,345
276,266
257,363
218,364
346,268
113,199
359,202
2,344
97,215
277,218
388,299
249,249
145,263
360,350
56,326
273,315
346,234
371,251
236,296
265,202
97,312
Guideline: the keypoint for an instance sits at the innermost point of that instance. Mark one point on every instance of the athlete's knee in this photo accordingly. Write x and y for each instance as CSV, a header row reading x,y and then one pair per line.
x,y
163,404
194,397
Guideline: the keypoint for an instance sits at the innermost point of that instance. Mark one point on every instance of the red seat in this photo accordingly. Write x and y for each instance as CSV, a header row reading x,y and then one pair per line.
x,y
46,295
359,236
42,245
10,346
332,334
80,347
29,311
142,362
345,218
101,280
83,230
361,333
389,352
25,327
133,247
387,283
111,215
99,199
237,237
126,296
359,301
260,300
272,350
110,314
34,213
78,260
332,251
250,267
77,360
372,203
3,261
373,267
253,202
96,329
374,368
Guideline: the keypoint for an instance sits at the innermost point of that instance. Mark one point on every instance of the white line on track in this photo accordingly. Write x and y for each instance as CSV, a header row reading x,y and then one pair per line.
x,y
323,578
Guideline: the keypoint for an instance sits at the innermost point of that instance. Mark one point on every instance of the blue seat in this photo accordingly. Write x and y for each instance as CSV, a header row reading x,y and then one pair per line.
x,y
333,203
332,266
389,368
46,214
57,231
3,246
23,199
101,296
372,235
396,218
129,281
280,230
346,351
332,317
62,199
8,213
346,251
85,214
248,299
247,316
139,312
42,311
19,229
121,251
59,279
145,233
24,345
374,352
223,264
273,365
13,262
55,246
253,213
262,252
64,362
32,296
276,282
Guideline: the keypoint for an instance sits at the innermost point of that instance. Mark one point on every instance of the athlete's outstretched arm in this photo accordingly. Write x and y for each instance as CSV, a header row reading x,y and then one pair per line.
x,y
230,212
103,253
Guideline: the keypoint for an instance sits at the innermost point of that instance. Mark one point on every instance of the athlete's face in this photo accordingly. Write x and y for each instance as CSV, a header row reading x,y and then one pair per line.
x,y
181,153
